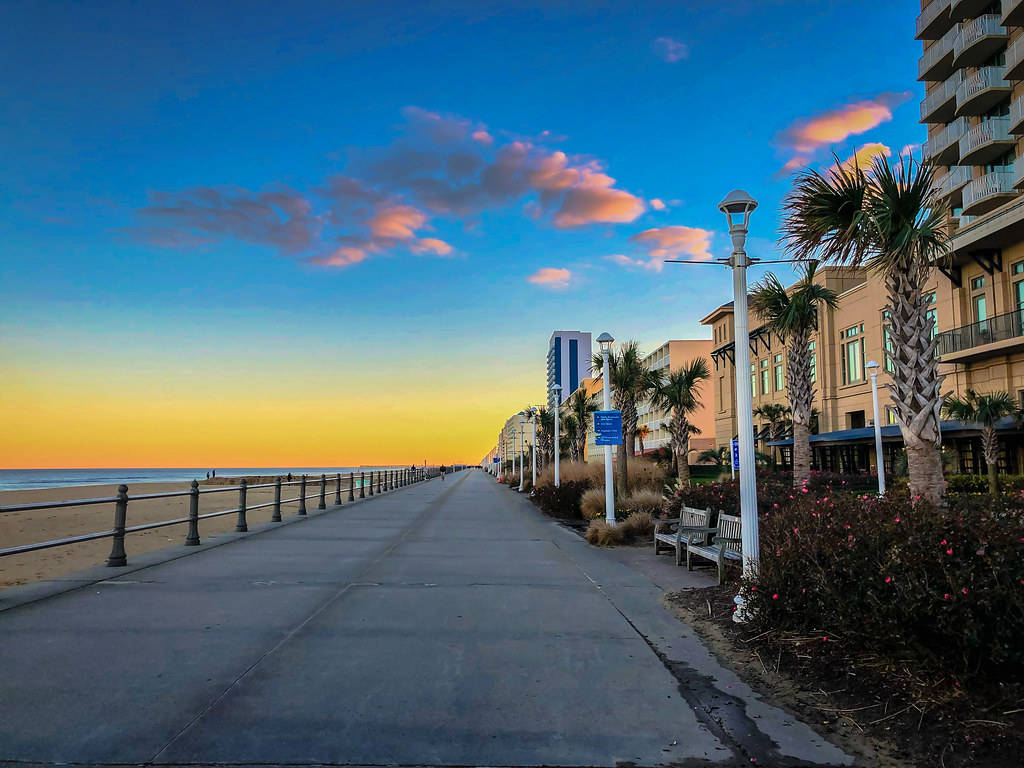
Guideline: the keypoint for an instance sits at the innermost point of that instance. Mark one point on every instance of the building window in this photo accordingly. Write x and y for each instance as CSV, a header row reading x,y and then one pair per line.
x,y
753,380
977,283
890,415
814,362
980,314
778,373
931,314
721,393
853,354
887,344
766,378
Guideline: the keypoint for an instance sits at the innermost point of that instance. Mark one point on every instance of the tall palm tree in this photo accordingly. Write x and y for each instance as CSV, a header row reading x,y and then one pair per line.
x,y
642,432
986,410
891,221
793,316
631,383
546,434
570,428
679,394
580,407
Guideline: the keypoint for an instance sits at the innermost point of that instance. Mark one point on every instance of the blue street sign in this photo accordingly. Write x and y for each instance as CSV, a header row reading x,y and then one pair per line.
x,y
735,454
496,460
608,427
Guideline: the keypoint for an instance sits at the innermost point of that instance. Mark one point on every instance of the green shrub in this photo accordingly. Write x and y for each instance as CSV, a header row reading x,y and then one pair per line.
x,y
563,501
979,483
883,576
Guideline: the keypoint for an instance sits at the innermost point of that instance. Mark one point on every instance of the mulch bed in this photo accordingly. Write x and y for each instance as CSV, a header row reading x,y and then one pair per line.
x,y
884,709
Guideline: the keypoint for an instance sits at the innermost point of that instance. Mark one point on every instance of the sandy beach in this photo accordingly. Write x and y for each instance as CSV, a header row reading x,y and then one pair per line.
x,y
43,525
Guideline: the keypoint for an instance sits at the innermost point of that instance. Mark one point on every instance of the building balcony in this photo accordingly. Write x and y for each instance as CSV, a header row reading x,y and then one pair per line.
x,y
996,335
962,10
979,92
944,147
937,61
951,185
939,106
1018,176
986,142
1017,115
978,41
988,192
1013,13
934,20
1015,60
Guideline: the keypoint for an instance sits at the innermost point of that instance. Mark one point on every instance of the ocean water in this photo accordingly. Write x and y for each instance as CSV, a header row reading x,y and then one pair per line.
x,y
28,479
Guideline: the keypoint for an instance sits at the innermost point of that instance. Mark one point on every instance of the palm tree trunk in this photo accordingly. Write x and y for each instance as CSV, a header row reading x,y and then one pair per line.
x,y
916,380
990,447
801,453
801,395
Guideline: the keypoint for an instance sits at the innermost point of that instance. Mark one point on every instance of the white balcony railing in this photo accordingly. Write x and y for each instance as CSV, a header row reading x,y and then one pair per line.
x,y
1014,55
996,129
1013,12
972,31
988,186
983,79
930,13
939,50
1017,115
940,95
948,135
957,176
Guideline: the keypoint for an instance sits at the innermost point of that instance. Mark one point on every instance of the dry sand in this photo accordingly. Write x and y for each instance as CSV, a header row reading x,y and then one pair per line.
x,y
43,525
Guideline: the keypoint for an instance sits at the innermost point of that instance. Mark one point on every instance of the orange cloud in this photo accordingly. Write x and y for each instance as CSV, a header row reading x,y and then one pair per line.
x,y
593,199
343,257
398,222
666,242
551,277
864,156
430,245
657,204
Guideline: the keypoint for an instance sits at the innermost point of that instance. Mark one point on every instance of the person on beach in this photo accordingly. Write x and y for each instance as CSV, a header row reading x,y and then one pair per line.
x,y
289,477
207,475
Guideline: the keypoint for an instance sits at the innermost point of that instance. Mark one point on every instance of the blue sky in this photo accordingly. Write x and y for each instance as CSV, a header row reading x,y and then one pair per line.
x,y
217,128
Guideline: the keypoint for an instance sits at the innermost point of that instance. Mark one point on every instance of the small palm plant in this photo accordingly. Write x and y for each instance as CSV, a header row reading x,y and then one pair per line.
x,y
986,410
717,456
793,316
891,221
642,432
546,434
631,383
679,394
570,430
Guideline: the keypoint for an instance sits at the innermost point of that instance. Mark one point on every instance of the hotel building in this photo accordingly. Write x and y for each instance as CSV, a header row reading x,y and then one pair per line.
x,y
669,357
568,362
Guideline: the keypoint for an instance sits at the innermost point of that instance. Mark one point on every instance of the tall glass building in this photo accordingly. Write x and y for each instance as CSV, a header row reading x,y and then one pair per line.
x,y
569,355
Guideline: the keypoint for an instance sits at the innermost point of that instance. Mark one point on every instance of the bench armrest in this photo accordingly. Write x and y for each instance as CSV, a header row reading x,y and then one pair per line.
x,y
727,540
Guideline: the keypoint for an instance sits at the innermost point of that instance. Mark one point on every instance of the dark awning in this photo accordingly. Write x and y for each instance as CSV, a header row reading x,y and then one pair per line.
x,y
892,432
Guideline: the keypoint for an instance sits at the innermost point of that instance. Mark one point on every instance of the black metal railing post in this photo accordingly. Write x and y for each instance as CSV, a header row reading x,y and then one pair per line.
x,y
323,492
351,486
192,539
371,482
302,496
337,489
241,527
275,517
362,485
117,553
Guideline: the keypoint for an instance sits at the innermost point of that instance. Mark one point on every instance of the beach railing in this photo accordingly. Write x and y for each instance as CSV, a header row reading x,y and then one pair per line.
x,y
379,481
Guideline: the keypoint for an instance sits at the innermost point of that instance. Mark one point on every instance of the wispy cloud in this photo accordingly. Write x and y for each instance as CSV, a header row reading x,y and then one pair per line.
x,y
806,136
669,50
439,167
554,278
670,242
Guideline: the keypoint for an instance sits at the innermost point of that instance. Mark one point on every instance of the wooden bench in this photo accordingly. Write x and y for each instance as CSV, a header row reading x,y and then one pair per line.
x,y
725,546
692,523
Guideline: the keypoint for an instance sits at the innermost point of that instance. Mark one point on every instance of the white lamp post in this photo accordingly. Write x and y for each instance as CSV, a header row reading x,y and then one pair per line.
x,y
606,340
533,464
879,459
557,390
522,451
737,207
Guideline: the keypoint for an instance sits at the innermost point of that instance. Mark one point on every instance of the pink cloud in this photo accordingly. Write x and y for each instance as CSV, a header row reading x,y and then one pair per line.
x,y
657,204
556,278
483,137
342,257
396,222
669,50
676,240
864,156
430,245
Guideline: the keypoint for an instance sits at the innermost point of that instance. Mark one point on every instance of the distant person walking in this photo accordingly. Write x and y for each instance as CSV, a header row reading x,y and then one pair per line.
x,y
442,471
215,473
207,475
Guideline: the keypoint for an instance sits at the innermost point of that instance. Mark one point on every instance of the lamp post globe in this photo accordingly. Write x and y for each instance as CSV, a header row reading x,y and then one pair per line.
x,y
606,340
556,390
737,207
873,367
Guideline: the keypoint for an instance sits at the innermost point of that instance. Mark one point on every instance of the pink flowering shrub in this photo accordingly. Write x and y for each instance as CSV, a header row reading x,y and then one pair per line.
x,y
885,576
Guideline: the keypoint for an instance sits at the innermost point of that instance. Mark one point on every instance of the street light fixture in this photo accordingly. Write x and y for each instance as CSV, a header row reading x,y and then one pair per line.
x,y
606,341
522,448
737,207
872,367
556,389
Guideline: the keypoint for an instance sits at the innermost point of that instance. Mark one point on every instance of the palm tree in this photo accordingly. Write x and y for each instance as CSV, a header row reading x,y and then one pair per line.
x,y
679,394
891,221
793,316
986,410
570,428
580,407
630,383
717,456
642,432
546,434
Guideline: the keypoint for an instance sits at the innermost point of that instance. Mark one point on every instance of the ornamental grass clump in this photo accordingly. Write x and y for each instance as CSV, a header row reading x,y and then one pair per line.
x,y
647,501
637,526
592,504
888,577
600,534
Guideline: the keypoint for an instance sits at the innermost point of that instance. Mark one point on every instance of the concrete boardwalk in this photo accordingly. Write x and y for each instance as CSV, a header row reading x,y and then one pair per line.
x,y
447,623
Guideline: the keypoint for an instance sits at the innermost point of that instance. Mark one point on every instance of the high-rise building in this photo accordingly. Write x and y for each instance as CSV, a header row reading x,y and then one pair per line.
x,y
569,356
